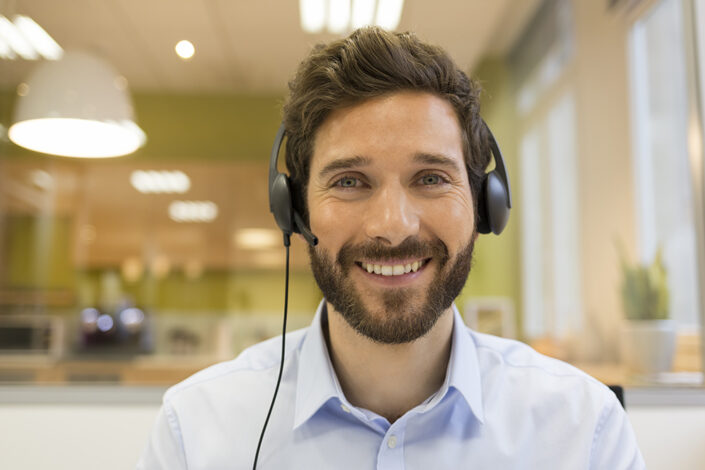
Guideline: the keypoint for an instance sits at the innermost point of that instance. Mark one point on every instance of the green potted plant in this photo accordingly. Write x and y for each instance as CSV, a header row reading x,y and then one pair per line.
x,y
649,335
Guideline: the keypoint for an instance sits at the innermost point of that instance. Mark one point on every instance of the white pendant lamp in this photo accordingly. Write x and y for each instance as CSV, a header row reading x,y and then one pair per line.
x,y
76,107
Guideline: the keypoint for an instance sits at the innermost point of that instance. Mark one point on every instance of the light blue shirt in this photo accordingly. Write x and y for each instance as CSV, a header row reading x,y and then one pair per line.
x,y
502,406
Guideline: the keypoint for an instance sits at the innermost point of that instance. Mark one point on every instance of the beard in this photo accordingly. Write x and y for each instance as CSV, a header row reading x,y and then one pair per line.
x,y
407,313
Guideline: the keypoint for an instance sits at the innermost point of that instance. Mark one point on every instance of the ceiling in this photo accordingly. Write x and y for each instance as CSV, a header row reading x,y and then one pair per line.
x,y
241,45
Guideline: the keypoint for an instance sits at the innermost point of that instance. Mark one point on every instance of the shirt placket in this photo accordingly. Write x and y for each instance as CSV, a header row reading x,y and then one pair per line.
x,y
391,450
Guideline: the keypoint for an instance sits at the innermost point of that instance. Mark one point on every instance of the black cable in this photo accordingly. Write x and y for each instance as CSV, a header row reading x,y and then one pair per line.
x,y
281,365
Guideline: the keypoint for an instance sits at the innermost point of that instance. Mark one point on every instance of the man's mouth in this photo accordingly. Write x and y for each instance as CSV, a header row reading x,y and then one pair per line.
x,y
392,269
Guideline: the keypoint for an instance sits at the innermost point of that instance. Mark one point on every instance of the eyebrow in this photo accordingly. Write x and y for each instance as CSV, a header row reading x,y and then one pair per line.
x,y
344,164
359,161
436,159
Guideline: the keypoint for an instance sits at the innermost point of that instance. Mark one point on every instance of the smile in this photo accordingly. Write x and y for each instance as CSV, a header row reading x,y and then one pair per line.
x,y
392,269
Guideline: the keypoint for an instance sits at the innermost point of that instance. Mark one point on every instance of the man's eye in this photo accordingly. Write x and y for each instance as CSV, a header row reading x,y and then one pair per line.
x,y
431,179
347,182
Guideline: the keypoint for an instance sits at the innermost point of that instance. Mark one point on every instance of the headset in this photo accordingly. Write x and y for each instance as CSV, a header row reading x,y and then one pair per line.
x,y
493,206
280,200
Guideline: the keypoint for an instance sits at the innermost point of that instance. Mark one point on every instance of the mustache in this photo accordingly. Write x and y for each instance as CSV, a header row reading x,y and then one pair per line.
x,y
412,247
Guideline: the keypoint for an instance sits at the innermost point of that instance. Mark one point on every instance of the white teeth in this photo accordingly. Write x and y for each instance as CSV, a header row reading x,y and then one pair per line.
x,y
392,270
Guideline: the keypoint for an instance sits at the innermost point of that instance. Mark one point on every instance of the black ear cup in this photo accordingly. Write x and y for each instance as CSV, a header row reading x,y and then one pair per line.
x,y
495,196
280,201
493,205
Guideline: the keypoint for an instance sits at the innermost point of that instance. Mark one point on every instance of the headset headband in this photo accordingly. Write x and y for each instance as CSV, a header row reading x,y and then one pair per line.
x,y
494,205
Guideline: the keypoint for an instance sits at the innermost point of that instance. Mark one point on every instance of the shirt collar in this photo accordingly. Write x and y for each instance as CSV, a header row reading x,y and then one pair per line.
x,y
464,367
317,382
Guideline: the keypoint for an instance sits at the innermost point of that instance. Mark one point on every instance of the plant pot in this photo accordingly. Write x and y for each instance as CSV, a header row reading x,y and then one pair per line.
x,y
648,346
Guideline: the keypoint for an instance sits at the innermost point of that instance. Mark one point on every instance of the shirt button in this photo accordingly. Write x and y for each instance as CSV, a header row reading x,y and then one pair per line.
x,y
392,442
345,408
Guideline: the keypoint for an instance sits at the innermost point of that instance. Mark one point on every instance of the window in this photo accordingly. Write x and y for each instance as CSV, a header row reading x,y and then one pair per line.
x,y
664,192
551,273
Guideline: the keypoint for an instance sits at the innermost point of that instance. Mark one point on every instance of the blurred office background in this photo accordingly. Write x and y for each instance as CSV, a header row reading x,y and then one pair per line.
x,y
120,276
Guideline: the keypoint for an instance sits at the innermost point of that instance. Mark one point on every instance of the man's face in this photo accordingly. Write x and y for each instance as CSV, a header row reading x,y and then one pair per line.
x,y
390,202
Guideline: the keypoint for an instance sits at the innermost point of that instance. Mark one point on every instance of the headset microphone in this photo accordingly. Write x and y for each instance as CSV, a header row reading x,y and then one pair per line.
x,y
304,231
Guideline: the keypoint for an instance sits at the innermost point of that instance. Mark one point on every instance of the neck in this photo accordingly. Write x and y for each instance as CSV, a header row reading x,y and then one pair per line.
x,y
389,379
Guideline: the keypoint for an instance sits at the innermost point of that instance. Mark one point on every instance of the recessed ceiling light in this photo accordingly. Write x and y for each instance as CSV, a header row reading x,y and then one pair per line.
x,y
313,15
38,38
340,16
193,211
363,13
184,49
160,182
18,43
25,38
389,13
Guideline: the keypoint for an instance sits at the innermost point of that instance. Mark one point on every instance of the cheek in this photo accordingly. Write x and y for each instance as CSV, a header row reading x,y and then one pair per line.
x,y
454,223
330,223
457,217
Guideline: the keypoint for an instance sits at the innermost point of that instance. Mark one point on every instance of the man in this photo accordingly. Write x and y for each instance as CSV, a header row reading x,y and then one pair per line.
x,y
386,151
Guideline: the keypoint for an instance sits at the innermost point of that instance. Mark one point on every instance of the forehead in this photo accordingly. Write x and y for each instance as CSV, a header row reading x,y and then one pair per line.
x,y
394,125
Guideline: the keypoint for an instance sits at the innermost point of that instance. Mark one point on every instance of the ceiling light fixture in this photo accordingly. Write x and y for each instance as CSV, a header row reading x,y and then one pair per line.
x,y
42,42
25,38
193,211
313,15
389,13
339,16
76,107
6,51
184,49
17,42
363,13
160,182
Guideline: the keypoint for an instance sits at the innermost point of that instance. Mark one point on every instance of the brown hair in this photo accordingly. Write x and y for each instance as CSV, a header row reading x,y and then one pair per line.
x,y
372,62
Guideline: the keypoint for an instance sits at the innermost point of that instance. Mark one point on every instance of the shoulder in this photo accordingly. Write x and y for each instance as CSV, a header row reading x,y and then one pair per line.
x,y
514,370
533,398
252,367
512,355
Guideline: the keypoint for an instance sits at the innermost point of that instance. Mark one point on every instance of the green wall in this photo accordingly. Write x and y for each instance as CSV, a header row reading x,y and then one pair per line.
x,y
38,252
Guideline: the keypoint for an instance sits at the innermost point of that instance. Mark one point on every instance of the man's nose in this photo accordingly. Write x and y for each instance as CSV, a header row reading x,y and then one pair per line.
x,y
392,216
